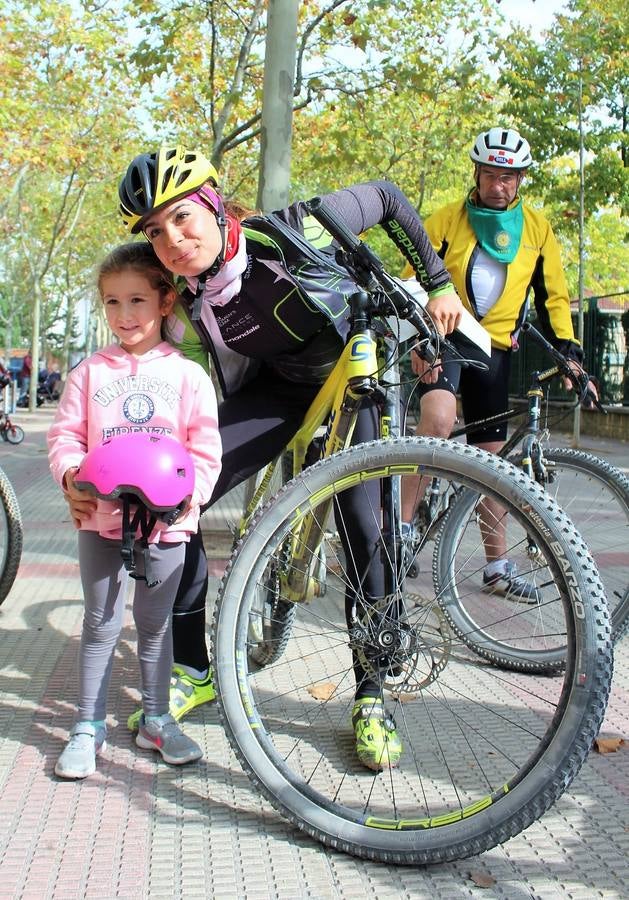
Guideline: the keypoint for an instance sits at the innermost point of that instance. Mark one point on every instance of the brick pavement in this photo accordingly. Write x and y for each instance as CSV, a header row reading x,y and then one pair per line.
x,y
140,829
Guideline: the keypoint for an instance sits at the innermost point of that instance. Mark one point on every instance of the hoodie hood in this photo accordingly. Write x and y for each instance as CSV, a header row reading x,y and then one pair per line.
x,y
116,357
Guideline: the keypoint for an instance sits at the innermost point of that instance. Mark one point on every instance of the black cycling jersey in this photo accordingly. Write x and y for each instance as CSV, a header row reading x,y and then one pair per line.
x,y
293,289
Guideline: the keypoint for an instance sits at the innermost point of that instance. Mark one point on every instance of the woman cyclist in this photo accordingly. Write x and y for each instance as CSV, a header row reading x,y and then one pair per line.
x,y
268,302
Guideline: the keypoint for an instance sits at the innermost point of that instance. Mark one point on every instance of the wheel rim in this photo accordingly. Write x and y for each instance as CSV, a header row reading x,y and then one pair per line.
x,y
599,507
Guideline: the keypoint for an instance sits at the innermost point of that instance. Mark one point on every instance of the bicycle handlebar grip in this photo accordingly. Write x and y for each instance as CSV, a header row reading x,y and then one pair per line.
x,y
333,223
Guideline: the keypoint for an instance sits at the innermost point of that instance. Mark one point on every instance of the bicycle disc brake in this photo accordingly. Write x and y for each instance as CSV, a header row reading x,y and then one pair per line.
x,y
405,657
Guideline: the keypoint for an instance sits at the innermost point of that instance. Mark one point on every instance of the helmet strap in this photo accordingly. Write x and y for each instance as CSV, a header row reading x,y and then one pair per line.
x,y
214,269
146,523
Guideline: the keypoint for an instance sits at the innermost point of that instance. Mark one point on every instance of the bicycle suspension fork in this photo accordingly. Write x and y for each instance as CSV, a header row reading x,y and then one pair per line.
x,y
532,460
355,376
388,401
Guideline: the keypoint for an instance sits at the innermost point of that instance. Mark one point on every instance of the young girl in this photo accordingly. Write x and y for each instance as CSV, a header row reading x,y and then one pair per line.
x,y
141,385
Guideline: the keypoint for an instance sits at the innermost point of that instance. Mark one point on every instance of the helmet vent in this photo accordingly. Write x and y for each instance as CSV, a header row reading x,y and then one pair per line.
x,y
168,174
183,177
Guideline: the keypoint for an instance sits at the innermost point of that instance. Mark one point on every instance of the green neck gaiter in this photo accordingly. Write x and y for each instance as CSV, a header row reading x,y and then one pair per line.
x,y
498,231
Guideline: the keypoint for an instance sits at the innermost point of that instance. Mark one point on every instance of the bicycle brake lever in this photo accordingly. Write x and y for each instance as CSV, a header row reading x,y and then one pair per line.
x,y
591,400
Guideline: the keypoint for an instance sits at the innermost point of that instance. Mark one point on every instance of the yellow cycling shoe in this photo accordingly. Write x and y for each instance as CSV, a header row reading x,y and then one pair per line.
x,y
377,743
186,692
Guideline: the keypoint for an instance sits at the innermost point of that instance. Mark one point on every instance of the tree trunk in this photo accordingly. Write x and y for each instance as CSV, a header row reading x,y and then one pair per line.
x,y
277,104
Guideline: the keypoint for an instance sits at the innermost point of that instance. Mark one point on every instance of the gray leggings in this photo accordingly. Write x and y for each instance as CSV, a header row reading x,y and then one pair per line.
x,y
105,583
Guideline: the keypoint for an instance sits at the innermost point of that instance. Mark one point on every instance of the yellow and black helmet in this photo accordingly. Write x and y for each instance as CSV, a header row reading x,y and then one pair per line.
x,y
155,179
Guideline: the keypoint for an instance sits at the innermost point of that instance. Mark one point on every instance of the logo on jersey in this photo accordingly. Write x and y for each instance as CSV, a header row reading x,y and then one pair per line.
x,y
138,408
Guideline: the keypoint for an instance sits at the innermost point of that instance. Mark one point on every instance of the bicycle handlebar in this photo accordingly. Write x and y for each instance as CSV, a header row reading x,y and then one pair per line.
x,y
368,270
579,380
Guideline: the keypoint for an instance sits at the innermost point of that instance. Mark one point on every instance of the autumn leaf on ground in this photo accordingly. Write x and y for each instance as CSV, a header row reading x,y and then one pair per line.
x,y
403,698
482,879
322,691
608,743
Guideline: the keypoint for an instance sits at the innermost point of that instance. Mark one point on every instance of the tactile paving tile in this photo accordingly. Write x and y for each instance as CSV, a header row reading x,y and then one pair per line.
x,y
142,829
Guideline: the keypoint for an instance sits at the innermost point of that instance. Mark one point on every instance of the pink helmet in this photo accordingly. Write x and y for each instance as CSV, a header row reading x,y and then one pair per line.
x,y
156,469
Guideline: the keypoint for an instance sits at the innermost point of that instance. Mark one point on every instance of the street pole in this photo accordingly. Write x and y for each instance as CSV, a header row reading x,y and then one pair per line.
x,y
277,104
576,425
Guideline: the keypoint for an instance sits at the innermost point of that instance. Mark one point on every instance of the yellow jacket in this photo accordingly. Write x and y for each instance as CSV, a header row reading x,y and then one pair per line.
x,y
537,265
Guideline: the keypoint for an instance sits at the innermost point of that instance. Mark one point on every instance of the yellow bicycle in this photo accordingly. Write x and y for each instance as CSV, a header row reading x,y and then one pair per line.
x,y
484,753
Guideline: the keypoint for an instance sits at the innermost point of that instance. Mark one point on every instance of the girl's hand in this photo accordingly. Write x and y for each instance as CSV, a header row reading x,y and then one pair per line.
x,y
82,504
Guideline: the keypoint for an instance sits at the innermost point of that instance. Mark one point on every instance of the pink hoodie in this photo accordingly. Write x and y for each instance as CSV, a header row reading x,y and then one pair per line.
x,y
113,392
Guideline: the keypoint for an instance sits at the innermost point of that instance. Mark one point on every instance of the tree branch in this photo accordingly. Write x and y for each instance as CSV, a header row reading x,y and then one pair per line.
x,y
239,72
304,41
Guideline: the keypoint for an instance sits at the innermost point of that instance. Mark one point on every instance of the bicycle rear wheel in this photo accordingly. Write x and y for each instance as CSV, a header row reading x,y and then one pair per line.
x,y
10,536
485,754
514,634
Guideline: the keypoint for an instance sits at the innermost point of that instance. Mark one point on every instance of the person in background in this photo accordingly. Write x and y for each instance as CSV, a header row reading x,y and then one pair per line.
x,y
5,376
25,374
497,249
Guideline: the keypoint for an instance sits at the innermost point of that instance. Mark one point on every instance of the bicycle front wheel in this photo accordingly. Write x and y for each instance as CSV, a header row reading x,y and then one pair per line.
x,y
10,536
484,754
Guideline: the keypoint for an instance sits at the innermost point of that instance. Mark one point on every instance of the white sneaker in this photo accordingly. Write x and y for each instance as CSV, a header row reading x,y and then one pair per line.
x,y
78,760
511,585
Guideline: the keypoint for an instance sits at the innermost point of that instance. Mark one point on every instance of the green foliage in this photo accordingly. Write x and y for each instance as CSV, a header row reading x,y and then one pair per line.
x,y
68,114
382,90
582,70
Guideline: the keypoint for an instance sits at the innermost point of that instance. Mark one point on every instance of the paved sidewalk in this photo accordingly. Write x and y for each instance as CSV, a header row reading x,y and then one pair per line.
x,y
141,829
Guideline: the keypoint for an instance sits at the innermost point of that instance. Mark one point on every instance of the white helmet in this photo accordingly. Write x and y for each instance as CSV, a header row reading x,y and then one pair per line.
x,y
501,147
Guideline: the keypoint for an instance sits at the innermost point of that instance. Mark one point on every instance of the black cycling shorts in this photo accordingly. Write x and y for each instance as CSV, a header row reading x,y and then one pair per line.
x,y
483,393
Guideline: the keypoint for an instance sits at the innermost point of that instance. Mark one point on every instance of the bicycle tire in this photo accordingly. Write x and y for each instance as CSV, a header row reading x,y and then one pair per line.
x,y
595,495
14,434
473,773
11,536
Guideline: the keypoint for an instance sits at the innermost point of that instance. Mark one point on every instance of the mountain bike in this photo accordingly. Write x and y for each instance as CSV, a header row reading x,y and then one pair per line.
x,y
11,535
485,753
9,431
593,493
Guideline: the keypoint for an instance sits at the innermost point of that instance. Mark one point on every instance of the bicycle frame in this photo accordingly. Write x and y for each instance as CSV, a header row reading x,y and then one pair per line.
x,y
527,432
362,370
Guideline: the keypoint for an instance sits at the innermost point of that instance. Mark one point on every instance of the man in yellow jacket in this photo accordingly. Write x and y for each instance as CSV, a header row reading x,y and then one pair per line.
x,y
496,249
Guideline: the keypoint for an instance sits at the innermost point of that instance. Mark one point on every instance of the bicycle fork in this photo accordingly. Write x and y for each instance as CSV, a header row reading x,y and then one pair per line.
x,y
353,378
532,461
